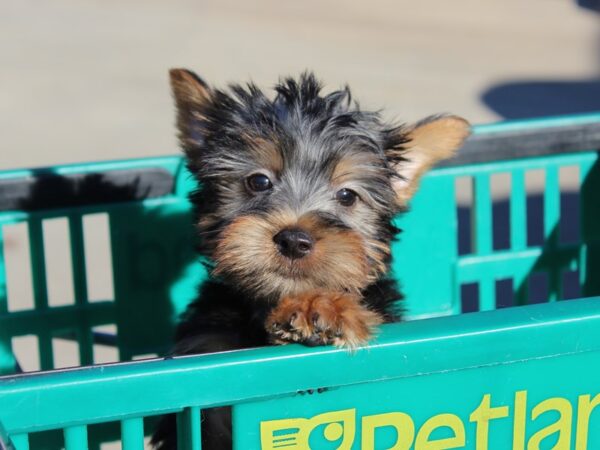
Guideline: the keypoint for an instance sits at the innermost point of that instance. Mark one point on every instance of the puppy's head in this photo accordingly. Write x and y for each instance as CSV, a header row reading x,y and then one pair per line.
x,y
298,192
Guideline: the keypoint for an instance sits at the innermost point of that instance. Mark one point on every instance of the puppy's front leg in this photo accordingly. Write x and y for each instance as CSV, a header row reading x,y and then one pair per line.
x,y
322,318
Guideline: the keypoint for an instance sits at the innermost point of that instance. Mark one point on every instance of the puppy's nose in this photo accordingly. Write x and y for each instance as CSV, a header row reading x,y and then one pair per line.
x,y
293,243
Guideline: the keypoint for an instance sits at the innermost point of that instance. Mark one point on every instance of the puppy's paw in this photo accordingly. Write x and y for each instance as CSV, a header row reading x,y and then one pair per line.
x,y
322,318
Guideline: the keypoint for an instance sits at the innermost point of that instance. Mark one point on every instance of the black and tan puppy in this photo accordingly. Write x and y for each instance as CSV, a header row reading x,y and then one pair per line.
x,y
294,211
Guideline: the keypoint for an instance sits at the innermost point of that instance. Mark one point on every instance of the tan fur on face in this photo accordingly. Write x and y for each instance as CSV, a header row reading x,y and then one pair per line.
x,y
378,252
246,250
430,141
265,153
349,168
352,164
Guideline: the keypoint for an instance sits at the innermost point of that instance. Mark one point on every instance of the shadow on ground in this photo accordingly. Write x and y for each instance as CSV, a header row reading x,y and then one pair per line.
x,y
520,99
523,99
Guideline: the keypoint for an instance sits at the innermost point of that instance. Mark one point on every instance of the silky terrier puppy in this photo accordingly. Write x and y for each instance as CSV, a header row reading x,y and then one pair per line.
x,y
294,211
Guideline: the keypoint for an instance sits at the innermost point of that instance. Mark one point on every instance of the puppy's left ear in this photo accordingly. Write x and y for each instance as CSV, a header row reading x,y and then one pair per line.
x,y
422,146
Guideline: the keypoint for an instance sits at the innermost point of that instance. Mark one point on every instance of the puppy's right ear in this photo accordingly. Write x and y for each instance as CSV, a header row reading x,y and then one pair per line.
x,y
191,96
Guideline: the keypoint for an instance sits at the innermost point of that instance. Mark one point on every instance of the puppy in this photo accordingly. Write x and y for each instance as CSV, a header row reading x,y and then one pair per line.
x,y
294,211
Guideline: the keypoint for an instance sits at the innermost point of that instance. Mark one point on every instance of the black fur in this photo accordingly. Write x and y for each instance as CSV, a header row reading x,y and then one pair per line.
x,y
228,314
224,319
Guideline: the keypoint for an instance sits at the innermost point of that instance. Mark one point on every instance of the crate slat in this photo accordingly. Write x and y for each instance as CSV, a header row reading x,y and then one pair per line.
x,y
551,224
518,211
132,433
20,441
487,294
188,429
483,214
84,333
40,288
76,438
3,285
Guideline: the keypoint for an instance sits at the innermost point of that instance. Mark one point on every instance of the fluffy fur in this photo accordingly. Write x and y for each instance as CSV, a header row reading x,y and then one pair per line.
x,y
313,148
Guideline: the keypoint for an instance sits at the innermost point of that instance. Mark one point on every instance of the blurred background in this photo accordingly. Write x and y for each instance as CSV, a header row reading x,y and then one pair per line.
x,y
87,80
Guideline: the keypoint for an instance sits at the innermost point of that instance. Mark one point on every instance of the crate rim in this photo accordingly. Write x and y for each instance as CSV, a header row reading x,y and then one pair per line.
x,y
458,343
488,131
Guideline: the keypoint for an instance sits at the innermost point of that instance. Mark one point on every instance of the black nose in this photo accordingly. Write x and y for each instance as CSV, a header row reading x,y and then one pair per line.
x,y
293,243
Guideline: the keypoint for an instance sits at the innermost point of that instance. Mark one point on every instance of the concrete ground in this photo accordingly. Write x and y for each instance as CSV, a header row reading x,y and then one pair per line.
x,y
84,81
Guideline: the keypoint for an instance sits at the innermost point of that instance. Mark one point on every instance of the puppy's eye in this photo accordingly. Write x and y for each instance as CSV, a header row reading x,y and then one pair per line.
x,y
259,182
346,197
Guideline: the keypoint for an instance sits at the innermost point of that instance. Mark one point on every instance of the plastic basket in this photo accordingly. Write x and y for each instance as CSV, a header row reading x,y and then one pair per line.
x,y
520,378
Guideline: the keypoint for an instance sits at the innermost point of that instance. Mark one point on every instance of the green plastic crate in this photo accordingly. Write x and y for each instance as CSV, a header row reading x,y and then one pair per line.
x,y
521,378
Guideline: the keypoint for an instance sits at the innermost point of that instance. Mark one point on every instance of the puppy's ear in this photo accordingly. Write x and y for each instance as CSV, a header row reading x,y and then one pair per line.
x,y
191,96
420,147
